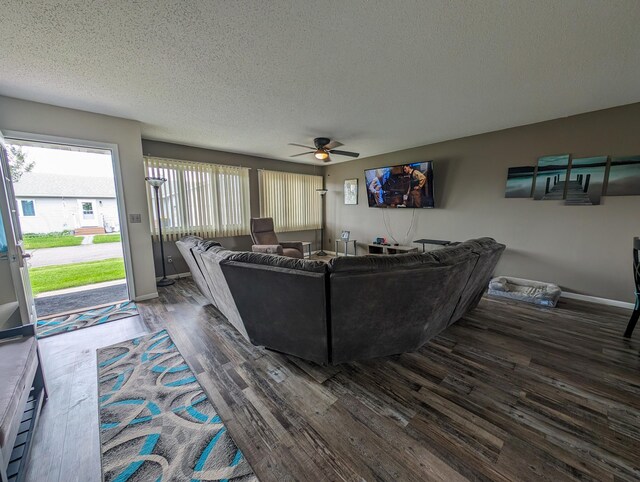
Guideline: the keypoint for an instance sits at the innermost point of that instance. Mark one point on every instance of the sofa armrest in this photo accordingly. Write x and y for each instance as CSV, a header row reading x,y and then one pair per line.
x,y
267,248
292,244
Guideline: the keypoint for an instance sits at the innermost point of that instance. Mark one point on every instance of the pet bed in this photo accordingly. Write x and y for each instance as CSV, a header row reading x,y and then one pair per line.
x,y
536,292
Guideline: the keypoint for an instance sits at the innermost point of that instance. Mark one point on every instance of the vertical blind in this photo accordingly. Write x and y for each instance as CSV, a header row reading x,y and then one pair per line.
x,y
198,198
291,200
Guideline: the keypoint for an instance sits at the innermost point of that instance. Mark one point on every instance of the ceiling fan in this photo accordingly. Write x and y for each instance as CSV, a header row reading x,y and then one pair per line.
x,y
324,147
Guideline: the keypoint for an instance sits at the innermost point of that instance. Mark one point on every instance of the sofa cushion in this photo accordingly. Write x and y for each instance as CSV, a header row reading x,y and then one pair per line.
x,y
488,252
190,251
484,243
218,254
451,253
377,313
191,240
206,244
371,263
279,261
211,260
282,306
18,364
478,246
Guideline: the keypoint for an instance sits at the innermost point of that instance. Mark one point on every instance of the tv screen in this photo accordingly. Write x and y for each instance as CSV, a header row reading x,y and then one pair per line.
x,y
401,186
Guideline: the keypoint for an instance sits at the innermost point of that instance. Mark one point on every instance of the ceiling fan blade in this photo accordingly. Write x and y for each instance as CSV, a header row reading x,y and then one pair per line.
x,y
300,145
303,154
328,159
344,153
333,145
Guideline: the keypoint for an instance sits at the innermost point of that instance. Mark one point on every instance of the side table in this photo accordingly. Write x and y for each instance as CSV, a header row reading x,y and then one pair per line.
x,y
437,242
346,246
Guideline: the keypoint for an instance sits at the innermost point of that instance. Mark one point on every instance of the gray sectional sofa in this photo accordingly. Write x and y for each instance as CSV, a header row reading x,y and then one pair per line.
x,y
351,308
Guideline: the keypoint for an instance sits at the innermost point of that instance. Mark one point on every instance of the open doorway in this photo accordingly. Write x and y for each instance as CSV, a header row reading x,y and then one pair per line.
x,y
67,206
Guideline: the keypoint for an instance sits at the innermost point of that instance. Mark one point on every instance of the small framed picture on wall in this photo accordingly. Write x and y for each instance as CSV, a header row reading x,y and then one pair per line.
x,y
351,191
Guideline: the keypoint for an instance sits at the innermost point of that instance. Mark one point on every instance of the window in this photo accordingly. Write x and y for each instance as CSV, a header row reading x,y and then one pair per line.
x,y
87,210
198,198
28,207
291,200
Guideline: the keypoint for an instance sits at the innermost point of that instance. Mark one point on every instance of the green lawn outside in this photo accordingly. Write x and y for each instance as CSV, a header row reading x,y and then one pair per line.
x,y
106,238
50,241
57,277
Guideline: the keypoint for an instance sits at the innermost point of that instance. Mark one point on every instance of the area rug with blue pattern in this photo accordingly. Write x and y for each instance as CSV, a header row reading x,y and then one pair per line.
x,y
156,423
83,319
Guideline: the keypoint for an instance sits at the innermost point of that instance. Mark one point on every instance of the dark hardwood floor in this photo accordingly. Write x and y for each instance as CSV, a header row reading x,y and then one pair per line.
x,y
511,392
66,446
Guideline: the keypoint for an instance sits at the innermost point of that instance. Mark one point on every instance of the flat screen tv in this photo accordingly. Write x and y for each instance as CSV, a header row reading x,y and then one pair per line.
x,y
402,186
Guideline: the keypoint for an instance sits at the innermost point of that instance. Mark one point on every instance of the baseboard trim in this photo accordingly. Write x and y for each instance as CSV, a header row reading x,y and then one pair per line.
x,y
150,296
595,299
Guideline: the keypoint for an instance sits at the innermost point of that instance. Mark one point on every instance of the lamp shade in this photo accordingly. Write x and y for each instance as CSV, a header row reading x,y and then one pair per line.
x,y
155,181
321,154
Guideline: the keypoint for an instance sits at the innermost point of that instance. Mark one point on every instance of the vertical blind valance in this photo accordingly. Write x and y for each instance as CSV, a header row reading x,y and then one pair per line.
x,y
291,200
198,198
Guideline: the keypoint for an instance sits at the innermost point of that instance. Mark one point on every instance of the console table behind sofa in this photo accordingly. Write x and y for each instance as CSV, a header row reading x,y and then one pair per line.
x,y
375,248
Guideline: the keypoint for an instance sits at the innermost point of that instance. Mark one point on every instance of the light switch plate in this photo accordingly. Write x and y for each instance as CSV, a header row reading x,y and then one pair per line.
x,y
135,218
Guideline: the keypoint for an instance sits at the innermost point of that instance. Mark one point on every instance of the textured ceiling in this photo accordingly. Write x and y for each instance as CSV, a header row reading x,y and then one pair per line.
x,y
251,76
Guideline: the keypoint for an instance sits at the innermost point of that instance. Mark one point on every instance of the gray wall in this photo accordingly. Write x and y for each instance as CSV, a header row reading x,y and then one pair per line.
x,y
177,151
35,118
585,249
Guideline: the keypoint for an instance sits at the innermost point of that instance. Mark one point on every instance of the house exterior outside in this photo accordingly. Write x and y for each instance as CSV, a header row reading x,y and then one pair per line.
x,y
52,202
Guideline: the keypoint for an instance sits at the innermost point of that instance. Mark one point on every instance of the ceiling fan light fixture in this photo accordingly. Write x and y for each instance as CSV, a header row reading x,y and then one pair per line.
x,y
321,154
324,149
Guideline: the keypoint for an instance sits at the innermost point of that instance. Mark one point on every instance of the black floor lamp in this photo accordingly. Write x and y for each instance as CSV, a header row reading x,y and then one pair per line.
x,y
156,182
323,193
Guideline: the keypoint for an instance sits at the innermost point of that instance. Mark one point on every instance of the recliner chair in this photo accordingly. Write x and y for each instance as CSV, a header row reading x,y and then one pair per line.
x,y
265,240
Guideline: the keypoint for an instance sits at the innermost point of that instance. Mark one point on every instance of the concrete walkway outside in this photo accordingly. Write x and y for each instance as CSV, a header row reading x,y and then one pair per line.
x,y
89,298
74,254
